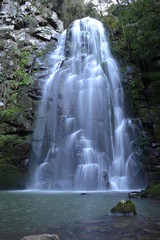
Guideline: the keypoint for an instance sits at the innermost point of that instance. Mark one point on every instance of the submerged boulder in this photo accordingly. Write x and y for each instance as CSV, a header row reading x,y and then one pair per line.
x,y
124,207
41,237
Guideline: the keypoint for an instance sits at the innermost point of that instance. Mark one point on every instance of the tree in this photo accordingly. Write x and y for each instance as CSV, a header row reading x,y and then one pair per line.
x,y
138,28
76,9
72,10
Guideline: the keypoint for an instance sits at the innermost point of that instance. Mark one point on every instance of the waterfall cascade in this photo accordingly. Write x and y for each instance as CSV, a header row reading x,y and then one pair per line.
x,y
82,140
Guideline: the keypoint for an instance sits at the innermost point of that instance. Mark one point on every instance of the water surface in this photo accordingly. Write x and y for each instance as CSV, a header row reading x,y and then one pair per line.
x,y
75,216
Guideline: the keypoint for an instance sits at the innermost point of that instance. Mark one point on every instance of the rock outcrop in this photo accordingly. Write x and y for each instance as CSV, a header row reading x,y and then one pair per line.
x,y
27,33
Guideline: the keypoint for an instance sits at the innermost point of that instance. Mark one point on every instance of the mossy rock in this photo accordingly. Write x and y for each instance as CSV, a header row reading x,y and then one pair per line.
x,y
8,142
14,150
124,207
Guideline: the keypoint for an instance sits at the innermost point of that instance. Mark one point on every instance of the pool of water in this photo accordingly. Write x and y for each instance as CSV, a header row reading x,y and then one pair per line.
x,y
75,216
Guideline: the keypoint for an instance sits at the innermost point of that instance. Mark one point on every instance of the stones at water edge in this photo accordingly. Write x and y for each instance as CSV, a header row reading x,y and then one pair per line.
x,y
124,207
41,237
138,194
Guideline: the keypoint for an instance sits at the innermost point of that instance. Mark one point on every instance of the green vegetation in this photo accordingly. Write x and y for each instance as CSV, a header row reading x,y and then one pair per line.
x,y
11,169
134,31
154,191
75,9
31,23
134,91
8,141
136,28
16,79
16,74
10,113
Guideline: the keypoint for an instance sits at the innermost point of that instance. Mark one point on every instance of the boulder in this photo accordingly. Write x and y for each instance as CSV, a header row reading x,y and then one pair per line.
x,y
41,21
6,28
9,7
28,7
41,237
44,33
124,207
55,22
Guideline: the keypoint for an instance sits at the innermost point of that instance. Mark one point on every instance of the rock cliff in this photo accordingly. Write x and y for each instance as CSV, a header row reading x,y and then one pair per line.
x,y
27,32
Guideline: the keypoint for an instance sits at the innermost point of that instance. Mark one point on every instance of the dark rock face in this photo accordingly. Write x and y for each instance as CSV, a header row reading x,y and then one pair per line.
x,y
142,92
26,35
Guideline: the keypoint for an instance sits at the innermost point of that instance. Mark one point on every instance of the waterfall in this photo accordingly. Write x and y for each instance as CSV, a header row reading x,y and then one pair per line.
x,y
82,139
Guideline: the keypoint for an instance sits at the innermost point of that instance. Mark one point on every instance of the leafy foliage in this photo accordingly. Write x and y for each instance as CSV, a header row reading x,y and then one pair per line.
x,y
154,191
75,9
137,29
31,23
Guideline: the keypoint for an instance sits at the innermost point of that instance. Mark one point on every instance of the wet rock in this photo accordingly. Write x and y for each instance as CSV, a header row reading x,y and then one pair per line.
x,y
24,163
124,207
83,193
22,150
41,237
155,145
135,194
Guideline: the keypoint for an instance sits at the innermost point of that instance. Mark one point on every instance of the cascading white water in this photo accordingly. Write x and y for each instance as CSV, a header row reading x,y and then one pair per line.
x,y
82,140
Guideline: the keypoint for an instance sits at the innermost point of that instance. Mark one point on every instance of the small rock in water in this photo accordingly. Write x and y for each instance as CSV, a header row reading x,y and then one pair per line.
x,y
41,237
83,193
124,207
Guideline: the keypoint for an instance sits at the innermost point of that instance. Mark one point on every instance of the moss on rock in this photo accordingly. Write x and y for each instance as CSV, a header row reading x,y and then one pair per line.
x,y
124,207
14,149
